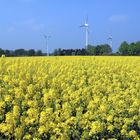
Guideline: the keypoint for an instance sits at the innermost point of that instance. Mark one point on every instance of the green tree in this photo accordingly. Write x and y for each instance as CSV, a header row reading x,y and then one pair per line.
x,y
124,48
31,52
105,49
7,52
132,49
19,52
39,53
137,44
59,51
91,50
55,52
1,52
97,50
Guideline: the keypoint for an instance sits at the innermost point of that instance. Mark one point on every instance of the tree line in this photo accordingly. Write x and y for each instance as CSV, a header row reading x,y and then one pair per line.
x,y
125,49
91,50
21,52
129,49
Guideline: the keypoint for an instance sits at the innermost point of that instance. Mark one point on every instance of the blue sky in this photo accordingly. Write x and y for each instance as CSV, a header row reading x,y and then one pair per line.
x,y
23,23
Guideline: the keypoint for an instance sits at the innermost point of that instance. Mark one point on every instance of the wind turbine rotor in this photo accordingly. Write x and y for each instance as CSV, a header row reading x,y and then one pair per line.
x,y
110,38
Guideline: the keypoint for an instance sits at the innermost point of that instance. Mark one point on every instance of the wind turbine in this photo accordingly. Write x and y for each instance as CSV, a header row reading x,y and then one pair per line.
x,y
86,26
110,38
47,37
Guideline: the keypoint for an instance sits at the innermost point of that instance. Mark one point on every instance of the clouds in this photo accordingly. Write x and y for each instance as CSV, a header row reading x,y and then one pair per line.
x,y
118,18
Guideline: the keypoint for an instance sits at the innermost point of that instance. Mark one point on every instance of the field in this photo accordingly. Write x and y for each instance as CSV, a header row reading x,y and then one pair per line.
x,y
70,98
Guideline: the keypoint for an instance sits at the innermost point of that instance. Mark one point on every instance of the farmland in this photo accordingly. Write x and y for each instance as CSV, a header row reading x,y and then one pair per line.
x,y
70,98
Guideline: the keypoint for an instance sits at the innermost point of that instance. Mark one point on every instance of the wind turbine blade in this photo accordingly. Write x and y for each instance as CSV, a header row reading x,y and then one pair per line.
x,y
87,19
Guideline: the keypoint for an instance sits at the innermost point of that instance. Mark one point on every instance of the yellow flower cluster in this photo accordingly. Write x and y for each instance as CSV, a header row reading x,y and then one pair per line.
x,y
64,98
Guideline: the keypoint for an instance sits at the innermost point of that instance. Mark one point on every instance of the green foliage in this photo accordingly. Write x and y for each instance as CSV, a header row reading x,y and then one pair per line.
x,y
104,49
124,48
1,52
129,49
21,52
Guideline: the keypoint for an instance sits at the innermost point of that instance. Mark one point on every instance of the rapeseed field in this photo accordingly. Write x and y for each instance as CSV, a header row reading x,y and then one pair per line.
x,y
70,98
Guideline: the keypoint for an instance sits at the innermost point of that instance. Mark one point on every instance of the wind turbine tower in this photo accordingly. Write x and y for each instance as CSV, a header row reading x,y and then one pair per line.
x,y
110,38
47,37
86,26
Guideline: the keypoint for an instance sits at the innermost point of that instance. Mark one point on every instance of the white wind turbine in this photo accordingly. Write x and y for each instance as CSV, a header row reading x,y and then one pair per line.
x,y
86,26
47,37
